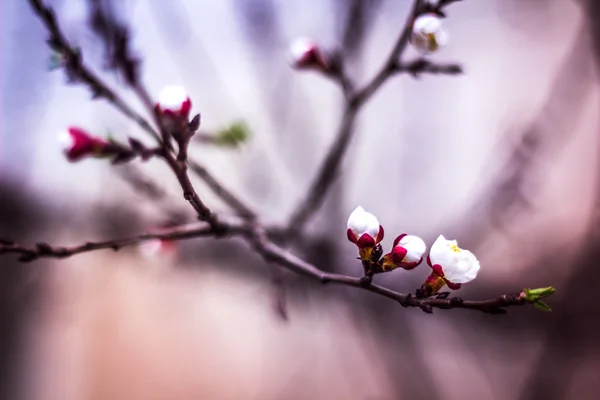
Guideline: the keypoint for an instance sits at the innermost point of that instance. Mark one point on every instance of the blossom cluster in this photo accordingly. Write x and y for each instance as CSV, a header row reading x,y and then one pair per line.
x,y
450,265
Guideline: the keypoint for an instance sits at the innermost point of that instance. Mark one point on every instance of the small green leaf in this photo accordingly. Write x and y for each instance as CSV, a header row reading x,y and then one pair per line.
x,y
233,135
547,291
55,61
540,305
533,295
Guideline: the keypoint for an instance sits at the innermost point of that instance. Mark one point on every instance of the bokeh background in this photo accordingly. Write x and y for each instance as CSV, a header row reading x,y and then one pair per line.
x,y
504,158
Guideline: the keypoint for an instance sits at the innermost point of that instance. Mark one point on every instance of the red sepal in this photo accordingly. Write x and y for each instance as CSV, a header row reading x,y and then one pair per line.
x,y
181,114
398,239
351,236
398,254
379,234
186,107
365,240
437,269
410,265
83,144
311,58
453,286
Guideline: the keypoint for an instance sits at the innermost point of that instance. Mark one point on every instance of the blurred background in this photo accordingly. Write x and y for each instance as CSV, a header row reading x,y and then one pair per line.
x,y
503,158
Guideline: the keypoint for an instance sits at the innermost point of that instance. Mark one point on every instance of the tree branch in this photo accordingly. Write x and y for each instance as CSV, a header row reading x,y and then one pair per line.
x,y
44,250
271,253
423,65
329,169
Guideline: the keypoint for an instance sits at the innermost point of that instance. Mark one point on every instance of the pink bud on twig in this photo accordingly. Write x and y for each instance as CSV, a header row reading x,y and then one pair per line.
x,y
407,253
79,144
306,54
174,102
365,231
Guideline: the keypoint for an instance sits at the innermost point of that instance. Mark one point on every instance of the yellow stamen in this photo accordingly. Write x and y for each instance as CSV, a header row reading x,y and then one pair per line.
x,y
455,248
432,42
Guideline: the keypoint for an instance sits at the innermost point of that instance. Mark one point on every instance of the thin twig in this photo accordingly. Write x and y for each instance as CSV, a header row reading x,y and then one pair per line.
x,y
329,169
148,188
223,193
423,65
44,250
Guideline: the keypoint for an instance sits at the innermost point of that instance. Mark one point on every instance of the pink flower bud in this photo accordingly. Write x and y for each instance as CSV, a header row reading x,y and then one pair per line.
x,y
173,102
364,231
79,144
363,228
407,252
307,54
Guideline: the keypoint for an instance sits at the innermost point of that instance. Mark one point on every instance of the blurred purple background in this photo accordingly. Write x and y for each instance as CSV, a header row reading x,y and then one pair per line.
x,y
503,158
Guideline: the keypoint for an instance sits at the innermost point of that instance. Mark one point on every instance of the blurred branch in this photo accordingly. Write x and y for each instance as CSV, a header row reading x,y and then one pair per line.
x,y
329,169
423,65
141,183
44,250
147,187
78,71
357,15
228,198
566,349
271,253
511,193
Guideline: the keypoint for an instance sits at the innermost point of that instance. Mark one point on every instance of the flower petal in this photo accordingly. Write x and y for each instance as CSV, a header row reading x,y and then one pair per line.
x,y
453,286
440,252
458,265
464,269
415,247
361,222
